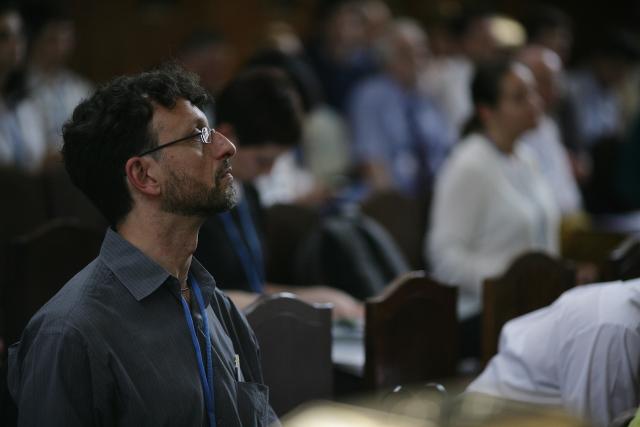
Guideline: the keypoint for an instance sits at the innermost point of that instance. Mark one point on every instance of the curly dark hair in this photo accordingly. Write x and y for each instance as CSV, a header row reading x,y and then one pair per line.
x,y
263,106
113,125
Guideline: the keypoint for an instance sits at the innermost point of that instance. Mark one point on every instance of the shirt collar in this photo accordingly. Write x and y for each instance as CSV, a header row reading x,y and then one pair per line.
x,y
205,280
140,274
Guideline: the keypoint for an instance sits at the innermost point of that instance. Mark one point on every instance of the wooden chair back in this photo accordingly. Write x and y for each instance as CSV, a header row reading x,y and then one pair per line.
x,y
411,332
404,218
39,264
295,345
23,203
64,200
593,247
624,260
286,228
533,280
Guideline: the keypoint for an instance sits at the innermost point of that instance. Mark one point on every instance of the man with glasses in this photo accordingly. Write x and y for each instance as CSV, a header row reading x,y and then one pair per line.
x,y
141,336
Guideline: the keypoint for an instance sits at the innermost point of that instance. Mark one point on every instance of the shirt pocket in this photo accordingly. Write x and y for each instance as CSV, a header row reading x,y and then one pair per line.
x,y
253,404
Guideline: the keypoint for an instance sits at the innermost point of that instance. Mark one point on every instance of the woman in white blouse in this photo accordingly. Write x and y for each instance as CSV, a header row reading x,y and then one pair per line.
x,y
490,204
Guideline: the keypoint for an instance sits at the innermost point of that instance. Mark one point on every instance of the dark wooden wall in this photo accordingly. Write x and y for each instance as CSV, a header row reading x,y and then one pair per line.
x,y
120,36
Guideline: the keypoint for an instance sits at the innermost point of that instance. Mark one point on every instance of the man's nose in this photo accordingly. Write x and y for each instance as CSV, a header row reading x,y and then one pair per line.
x,y
227,148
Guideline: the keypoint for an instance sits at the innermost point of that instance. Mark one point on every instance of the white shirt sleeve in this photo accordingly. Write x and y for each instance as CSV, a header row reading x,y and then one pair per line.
x,y
599,372
461,200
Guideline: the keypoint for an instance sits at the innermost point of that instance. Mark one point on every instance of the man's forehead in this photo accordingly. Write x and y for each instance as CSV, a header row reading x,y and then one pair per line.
x,y
182,117
182,112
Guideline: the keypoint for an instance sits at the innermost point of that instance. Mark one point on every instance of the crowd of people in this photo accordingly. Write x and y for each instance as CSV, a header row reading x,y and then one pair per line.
x,y
490,119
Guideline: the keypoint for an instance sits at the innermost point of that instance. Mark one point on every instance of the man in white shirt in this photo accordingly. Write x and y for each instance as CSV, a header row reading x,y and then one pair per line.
x,y
545,141
581,353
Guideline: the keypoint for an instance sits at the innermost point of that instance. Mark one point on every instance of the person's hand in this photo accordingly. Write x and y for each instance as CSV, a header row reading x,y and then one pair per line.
x,y
241,299
344,305
586,273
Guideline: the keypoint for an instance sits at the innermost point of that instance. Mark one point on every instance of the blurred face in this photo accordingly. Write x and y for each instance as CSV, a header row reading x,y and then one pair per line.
x,y
254,161
196,178
212,63
346,29
12,43
519,105
410,55
480,43
377,17
559,40
546,67
55,44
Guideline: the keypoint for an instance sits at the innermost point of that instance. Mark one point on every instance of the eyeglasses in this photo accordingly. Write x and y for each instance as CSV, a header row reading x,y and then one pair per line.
x,y
206,137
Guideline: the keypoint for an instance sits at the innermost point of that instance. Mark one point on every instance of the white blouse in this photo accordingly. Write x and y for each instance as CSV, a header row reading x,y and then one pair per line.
x,y
488,208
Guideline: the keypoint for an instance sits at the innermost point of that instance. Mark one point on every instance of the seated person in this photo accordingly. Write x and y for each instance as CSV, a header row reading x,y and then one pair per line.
x,y
260,112
545,140
22,136
141,336
490,204
582,353
400,136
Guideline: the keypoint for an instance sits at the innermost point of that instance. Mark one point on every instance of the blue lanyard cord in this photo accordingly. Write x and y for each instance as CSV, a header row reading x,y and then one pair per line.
x,y
252,266
206,378
252,236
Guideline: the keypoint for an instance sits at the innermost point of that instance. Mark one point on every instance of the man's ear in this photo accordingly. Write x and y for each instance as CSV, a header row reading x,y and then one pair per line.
x,y
141,172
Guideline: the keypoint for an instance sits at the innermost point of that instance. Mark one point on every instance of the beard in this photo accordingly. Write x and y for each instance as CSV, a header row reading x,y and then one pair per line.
x,y
186,196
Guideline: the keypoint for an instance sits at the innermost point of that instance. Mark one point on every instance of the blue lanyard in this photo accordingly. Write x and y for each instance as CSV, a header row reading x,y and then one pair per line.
x,y
206,378
250,255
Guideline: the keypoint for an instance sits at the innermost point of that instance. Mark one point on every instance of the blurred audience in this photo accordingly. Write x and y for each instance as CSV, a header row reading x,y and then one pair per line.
x,y
207,54
377,18
310,172
400,137
592,90
341,54
260,112
490,204
549,27
22,137
545,140
54,88
475,37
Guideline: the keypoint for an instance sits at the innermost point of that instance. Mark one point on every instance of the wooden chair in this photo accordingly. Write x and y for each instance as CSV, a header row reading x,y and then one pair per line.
x,y
411,332
286,227
64,200
592,247
23,203
404,218
39,264
534,280
295,344
23,209
624,260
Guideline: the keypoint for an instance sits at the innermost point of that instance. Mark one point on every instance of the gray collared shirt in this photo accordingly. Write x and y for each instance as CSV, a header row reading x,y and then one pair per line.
x,y
112,347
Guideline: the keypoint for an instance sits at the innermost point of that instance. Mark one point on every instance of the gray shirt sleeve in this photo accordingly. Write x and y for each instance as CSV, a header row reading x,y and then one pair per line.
x,y
52,382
